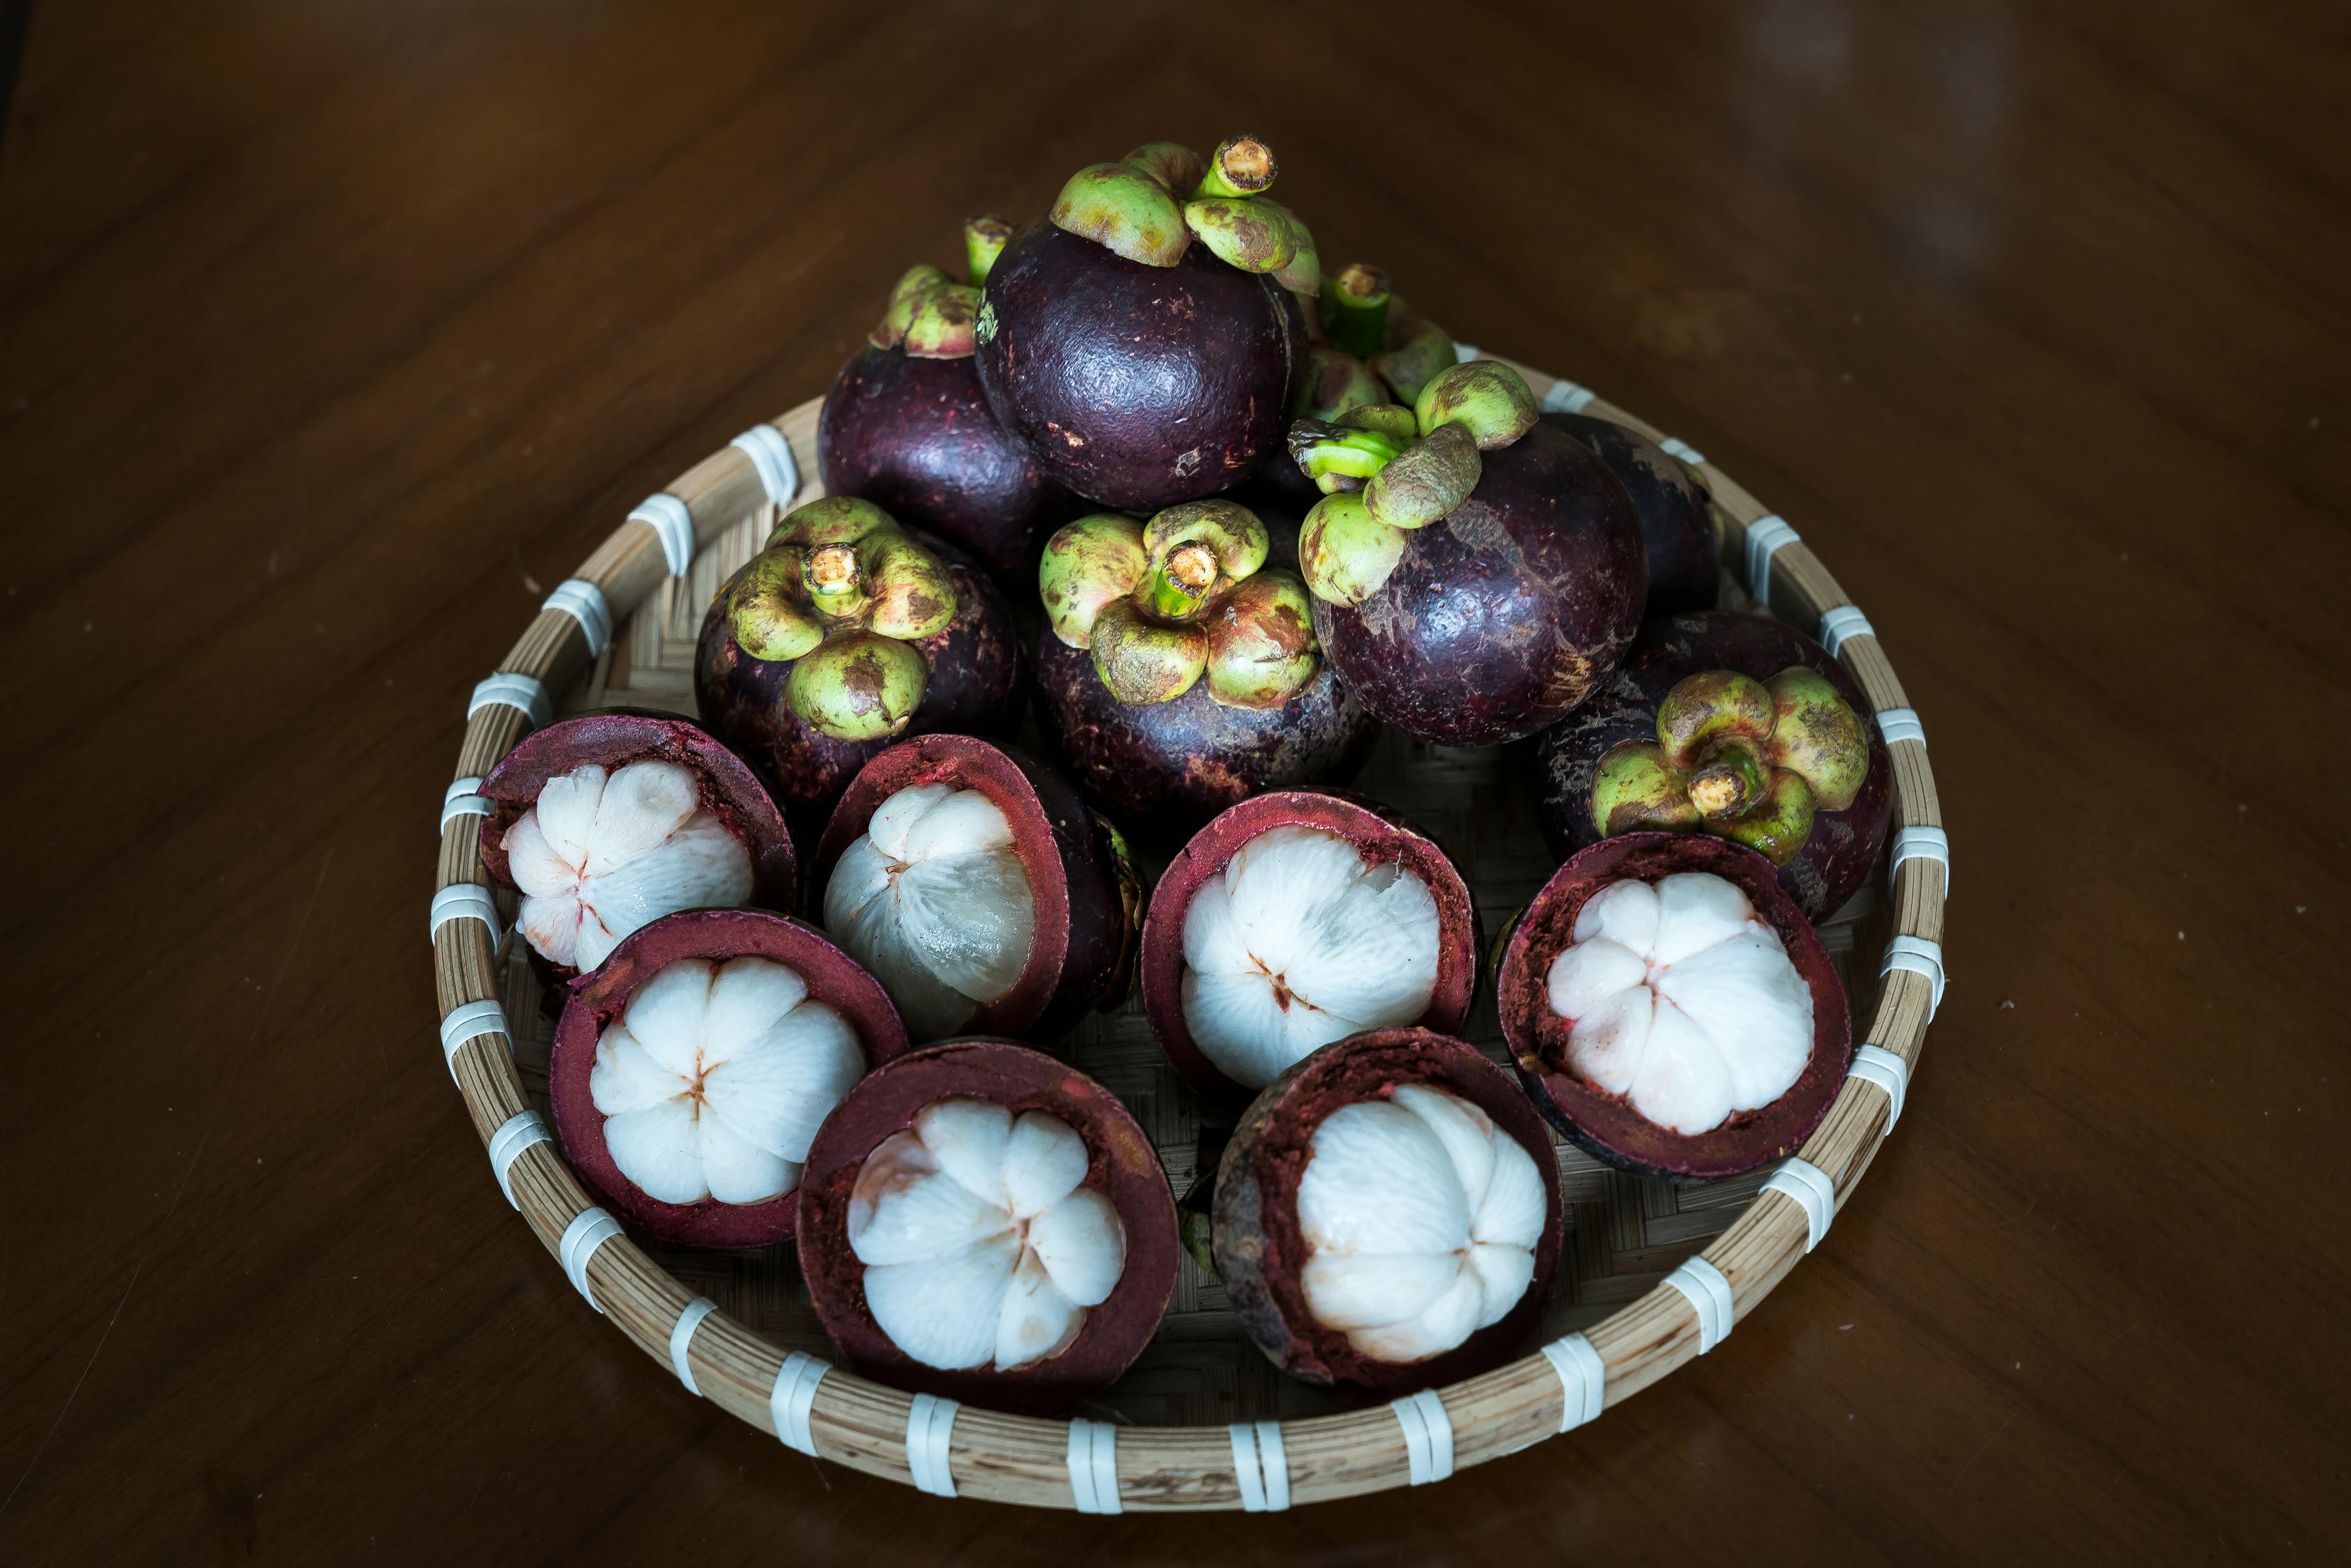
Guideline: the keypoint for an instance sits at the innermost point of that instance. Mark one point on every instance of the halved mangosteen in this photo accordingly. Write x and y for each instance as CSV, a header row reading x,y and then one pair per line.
x,y
1672,1010
691,1071
610,821
1677,527
1388,1214
1294,919
979,890
982,1222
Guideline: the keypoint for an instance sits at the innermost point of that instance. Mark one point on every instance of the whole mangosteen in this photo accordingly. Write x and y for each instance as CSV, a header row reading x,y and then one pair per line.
x,y
906,426
1476,573
1676,525
1736,725
691,1071
1388,1214
610,821
845,633
1672,1010
1294,919
1138,367
978,888
1179,671
981,1222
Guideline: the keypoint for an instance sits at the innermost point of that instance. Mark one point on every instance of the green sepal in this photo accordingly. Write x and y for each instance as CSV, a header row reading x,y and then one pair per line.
x,y
763,608
1261,641
910,593
1816,734
1416,350
859,686
905,296
1175,168
1706,709
1488,397
1242,233
1124,210
1302,273
1143,661
984,239
1344,552
1778,825
1635,789
1086,565
1427,479
1392,420
1339,458
830,519
1335,383
1228,528
940,327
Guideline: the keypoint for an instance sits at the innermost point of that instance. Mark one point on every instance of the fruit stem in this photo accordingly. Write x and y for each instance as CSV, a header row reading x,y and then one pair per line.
x,y
1729,782
984,239
1325,450
1240,166
834,583
1355,309
1180,584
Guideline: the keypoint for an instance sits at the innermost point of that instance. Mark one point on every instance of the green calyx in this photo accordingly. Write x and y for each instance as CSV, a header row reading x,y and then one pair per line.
x,y
1126,211
1250,235
905,296
1426,480
1486,397
858,685
1416,350
929,315
1335,383
1344,552
1151,204
1302,273
1747,760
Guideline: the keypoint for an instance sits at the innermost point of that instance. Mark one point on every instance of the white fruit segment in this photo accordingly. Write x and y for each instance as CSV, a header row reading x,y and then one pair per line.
x,y
1300,941
713,1081
980,1244
933,898
1420,1219
1682,998
601,854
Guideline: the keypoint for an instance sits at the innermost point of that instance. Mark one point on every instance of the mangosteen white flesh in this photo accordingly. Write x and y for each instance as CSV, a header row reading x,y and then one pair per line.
x,y
981,1244
1682,998
602,853
1300,941
714,1080
933,898
1420,1219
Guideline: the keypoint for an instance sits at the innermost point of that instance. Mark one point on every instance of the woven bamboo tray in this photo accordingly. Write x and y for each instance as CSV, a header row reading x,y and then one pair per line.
x,y
1651,1276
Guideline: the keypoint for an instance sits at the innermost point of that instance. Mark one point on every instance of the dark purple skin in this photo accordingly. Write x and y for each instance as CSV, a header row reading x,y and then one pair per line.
x,y
914,437
1136,386
974,688
1505,614
1836,858
1685,570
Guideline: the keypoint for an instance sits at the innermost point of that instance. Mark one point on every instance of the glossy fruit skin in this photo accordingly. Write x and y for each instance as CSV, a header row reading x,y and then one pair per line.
x,y
977,686
915,436
1606,1125
1505,614
1136,386
1685,565
1836,858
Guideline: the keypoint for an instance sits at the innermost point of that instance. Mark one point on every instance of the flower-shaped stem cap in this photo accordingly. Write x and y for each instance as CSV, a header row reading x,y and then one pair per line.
x,y
1152,203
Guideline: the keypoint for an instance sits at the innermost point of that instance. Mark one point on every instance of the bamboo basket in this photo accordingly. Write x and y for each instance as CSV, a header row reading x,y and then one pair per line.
x,y
1653,1275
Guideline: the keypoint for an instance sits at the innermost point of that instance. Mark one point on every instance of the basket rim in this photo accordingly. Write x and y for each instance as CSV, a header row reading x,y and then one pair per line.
x,y
832,1413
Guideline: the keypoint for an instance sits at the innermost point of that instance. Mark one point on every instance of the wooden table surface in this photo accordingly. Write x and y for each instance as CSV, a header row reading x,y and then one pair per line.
x,y
328,334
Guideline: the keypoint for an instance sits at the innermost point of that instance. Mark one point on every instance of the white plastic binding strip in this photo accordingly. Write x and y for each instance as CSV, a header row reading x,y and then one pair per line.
x,y
1566,397
584,602
681,1338
792,1399
1876,1064
1428,1436
465,1021
516,1133
1813,1192
464,798
1917,956
1767,535
1901,724
673,524
771,455
1093,1466
1583,1379
929,1422
1463,353
465,901
590,1229
1260,1466
506,689
1922,844
1841,625
1708,1293
1675,446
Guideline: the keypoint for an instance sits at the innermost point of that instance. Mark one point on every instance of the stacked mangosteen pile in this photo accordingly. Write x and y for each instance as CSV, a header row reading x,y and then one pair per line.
x,y
811,959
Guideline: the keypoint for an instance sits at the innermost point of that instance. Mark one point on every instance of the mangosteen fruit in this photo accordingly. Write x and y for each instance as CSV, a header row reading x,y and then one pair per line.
x,y
1179,671
1388,1214
846,631
1676,524
978,887
906,426
610,821
1139,340
1294,919
981,1222
1735,726
690,1072
1476,573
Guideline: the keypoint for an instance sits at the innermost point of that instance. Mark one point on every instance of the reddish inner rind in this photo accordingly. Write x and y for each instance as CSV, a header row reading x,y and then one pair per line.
x,y
1080,927
1260,1250
599,998
1606,1125
1122,1166
1380,835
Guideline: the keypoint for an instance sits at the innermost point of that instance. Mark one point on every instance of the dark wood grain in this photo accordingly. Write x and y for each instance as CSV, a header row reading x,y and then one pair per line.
x,y
330,335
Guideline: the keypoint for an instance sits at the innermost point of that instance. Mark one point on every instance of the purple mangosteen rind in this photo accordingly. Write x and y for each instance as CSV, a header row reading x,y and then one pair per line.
x,y
1122,1166
592,1001
1677,527
1380,833
1082,926
1260,1251
1840,854
1606,1125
